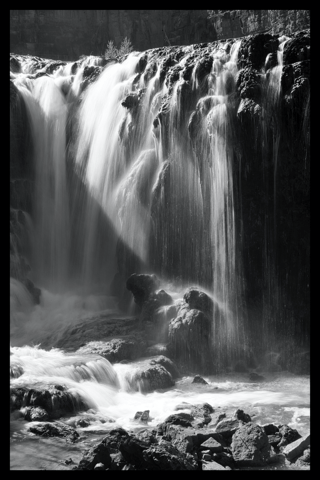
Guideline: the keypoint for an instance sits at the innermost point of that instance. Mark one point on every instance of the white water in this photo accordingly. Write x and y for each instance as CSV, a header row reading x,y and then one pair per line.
x,y
118,182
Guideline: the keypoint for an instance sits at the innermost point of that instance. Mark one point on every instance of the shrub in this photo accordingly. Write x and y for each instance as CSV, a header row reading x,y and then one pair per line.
x,y
113,52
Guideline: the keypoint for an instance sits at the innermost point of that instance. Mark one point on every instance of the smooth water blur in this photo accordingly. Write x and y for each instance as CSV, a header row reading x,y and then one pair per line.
x,y
282,398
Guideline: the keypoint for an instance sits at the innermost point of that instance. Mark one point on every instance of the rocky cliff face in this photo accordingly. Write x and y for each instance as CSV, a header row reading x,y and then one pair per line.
x,y
67,34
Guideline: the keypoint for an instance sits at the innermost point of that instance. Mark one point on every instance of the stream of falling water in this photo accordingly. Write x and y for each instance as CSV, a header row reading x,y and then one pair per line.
x,y
74,234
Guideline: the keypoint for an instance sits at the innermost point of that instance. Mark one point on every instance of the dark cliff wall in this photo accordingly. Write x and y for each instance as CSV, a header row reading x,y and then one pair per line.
x,y
67,34
237,23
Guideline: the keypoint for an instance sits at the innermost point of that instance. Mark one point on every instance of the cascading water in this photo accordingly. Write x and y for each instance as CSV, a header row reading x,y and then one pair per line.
x,y
142,171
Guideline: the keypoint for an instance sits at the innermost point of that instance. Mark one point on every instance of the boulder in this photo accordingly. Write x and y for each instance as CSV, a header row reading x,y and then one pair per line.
x,y
196,299
296,448
56,402
36,414
228,427
250,446
98,454
240,415
288,435
199,379
189,337
116,350
168,457
54,429
152,378
212,466
213,445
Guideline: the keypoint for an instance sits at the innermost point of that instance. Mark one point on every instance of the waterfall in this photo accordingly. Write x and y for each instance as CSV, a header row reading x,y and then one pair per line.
x,y
144,166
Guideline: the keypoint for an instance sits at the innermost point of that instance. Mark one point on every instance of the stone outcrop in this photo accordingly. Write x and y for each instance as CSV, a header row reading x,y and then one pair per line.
x,y
250,446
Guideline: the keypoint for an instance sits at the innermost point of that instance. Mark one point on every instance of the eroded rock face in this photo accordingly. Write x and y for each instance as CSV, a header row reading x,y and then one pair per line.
x,y
56,429
115,350
250,446
57,402
189,337
141,286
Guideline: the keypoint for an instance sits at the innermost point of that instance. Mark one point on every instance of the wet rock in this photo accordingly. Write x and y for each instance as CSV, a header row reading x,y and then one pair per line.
x,y
187,439
114,438
147,436
296,448
168,364
15,66
117,461
297,48
168,457
117,349
98,454
213,445
56,402
99,466
255,48
196,299
189,337
150,378
142,416
198,379
16,371
288,435
250,446
141,286
36,414
212,466
182,419
270,428
54,429
249,84
228,427
240,415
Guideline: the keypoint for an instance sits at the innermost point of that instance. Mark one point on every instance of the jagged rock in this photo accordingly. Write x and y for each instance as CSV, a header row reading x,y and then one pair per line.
x,y
98,454
270,428
189,337
304,460
117,461
250,446
116,349
213,445
56,402
288,435
114,438
255,48
167,457
198,300
36,414
187,439
99,466
142,416
16,371
168,364
295,449
297,48
225,459
55,429
228,427
240,415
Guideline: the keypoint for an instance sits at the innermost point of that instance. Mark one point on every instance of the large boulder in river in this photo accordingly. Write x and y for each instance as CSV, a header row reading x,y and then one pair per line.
x,y
189,337
117,349
250,446
151,374
198,300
